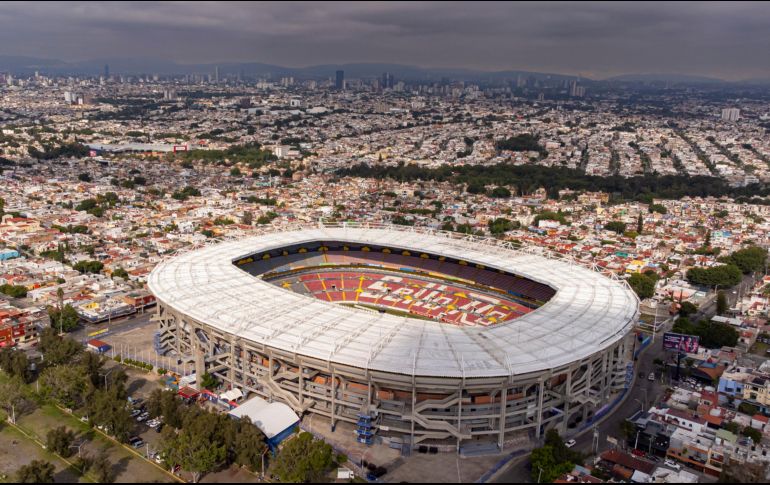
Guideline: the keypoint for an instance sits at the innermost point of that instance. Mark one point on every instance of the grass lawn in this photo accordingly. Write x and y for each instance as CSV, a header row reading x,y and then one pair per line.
x,y
17,450
760,349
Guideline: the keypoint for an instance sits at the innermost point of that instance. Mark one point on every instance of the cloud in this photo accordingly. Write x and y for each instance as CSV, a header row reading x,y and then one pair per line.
x,y
719,39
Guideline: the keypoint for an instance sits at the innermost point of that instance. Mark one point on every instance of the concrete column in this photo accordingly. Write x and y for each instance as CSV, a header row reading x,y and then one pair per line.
x,y
334,398
301,383
503,405
567,399
540,394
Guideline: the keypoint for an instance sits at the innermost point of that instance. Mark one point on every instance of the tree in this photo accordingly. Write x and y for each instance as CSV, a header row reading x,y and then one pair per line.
x,y
545,468
15,291
84,177
107,407
66,384
37,471
721,303
749,259
615,226
643,285
248,444
119,273
639,224
209,382
247,218
65,320
198,448
502,225
660,209
303,459
15,364
687,308
59,441
89,266
12,398
57,350
500,193
101,467
627,429
727,275
754,434
732,427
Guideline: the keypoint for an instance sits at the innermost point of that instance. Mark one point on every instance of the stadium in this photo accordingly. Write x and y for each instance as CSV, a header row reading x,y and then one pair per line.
x,y
412,336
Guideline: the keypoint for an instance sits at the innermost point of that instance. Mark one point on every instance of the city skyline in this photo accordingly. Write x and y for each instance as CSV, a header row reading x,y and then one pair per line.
x,y
593,40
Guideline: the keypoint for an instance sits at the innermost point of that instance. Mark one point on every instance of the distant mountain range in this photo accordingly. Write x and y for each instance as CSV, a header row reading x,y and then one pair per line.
x,y
20,65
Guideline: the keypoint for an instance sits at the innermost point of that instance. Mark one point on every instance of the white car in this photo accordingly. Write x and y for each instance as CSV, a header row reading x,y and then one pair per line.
x,y
672,464
651,377
570,443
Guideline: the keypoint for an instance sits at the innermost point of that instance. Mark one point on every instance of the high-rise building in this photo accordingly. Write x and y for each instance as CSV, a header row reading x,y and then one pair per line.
x,y
216,74
340,80
106,71
731,114
387,80
575,90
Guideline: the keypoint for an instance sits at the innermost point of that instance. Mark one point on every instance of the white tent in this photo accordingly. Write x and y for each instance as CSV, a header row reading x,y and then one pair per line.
x,y
272,418
231,395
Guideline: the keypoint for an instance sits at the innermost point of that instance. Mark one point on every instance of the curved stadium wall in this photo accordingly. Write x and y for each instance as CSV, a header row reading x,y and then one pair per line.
x,y
413,380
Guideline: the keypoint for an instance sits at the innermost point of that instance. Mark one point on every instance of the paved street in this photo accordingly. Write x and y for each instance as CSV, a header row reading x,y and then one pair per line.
x,y
643,394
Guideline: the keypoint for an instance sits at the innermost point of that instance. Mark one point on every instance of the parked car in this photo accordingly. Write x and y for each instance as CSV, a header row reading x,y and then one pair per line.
x,y
570,443
651,377
672,464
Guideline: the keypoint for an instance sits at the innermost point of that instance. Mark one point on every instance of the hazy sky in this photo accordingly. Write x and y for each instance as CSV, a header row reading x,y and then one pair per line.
x,y
727,40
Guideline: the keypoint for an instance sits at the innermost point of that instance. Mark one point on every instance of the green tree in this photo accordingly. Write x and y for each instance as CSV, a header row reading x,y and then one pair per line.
x,y
37,471
643,285
502,225
58,440
57,350
627,429
107,407
615,226
198,448
754,434
500,193
120,273
721,303
303,459
545,468
726,275
65,320
88,266
67,385
13,399
101,468
248,444
209,382
749,259
687,308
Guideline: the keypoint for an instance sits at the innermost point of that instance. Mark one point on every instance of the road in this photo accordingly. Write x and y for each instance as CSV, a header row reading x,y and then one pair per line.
x,y
642,395
123,324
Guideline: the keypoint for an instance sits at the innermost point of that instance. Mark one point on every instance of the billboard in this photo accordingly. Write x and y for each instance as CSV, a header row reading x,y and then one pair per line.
x,y
683,343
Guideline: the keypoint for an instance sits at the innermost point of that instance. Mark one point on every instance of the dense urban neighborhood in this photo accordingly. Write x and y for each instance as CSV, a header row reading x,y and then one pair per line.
x,y
659,185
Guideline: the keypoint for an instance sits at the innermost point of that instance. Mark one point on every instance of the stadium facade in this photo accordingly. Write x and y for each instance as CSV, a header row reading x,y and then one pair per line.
x,y
393,358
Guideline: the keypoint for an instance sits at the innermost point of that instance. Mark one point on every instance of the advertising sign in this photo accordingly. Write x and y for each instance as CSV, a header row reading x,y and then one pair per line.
x,y
683,343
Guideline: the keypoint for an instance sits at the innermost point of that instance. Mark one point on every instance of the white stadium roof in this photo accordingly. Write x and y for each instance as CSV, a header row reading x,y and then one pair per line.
x,y
588,313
